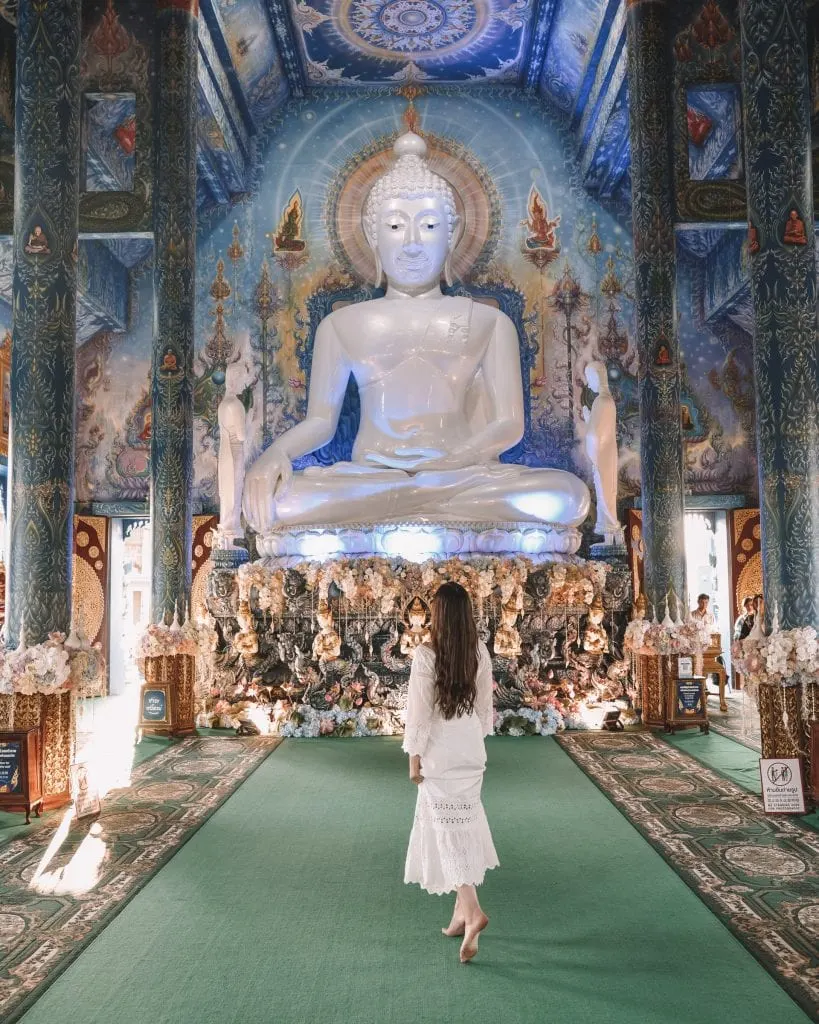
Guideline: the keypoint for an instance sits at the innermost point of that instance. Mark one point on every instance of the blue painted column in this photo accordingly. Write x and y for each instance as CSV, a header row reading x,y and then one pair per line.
x,y
661,444
174,280
776,115
46,214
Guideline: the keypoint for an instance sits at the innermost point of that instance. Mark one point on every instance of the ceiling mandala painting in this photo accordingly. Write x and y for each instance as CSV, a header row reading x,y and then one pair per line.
x,y
378,41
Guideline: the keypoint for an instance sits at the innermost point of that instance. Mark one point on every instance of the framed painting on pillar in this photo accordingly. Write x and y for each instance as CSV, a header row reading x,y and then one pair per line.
x,y
708,171
635,547
91,585
746,555
203,527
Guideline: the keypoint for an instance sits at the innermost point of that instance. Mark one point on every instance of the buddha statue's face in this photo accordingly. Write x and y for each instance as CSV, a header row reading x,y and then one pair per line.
x,y
413,240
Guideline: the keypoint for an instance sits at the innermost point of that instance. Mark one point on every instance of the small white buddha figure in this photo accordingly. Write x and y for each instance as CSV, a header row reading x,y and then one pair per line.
x,y
417,632
327,642
595,638
440,387
231,459
601,448
507,642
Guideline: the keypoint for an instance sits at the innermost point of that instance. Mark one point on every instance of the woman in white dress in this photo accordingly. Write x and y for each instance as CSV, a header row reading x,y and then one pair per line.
x,y
449,711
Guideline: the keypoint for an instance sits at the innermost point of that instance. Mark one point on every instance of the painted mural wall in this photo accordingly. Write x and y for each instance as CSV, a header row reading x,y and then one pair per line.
x,y
536,245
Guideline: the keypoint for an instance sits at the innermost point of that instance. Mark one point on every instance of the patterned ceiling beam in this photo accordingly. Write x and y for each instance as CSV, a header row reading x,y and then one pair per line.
x,y
618,165
285,34
215,134
214,54
208,176
606,108
725,278
601,59
543,21
613,53
99,306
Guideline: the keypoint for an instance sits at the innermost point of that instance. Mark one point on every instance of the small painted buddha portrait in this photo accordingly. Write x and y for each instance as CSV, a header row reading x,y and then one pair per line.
x,y
169,363
795,230
37,244
663,357
753,240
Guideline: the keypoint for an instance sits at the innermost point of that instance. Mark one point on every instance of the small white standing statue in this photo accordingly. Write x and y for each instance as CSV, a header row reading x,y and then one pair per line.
x,y
601,448
231,460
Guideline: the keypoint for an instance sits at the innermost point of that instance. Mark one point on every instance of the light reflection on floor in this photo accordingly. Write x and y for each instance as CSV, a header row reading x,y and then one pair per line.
x,y
107,734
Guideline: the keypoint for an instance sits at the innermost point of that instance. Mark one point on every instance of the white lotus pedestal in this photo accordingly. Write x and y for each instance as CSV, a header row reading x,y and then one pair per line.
x,y
418,539
166,699
54,715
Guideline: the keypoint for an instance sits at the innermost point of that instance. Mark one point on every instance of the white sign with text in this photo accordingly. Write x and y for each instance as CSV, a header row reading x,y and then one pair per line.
x,y
782,788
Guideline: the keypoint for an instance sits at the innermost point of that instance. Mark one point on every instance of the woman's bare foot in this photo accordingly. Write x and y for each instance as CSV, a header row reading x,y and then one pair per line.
x,y
455,927
472,933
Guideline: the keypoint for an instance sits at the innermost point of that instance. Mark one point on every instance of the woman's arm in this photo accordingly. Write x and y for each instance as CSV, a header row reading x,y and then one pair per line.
x,y
484,687
420,701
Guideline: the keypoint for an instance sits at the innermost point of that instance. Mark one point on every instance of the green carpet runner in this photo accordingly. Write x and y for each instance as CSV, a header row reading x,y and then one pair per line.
x,y
288,906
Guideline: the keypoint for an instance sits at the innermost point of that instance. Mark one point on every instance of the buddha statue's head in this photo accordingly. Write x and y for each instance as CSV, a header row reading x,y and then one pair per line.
x,y
410,220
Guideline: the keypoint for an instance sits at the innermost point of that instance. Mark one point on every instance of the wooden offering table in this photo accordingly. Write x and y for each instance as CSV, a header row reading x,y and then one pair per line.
x,y
21,771
686,701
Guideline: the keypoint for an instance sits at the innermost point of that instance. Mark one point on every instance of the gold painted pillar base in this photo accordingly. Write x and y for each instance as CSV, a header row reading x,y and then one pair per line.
x,y
652,690
166,699
55,716
787,716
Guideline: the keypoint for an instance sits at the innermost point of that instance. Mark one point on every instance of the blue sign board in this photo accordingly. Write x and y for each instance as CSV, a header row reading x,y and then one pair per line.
x,y
154,706
11,780
689,698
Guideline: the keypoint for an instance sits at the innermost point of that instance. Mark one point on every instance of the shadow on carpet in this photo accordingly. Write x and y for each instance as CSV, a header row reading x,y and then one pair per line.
x,y
63,883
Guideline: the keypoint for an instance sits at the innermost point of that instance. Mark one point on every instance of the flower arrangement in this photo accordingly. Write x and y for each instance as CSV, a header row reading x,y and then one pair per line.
x,y
666,638
55,665
304,721
526,721
273,675
160,640
785,657
390,583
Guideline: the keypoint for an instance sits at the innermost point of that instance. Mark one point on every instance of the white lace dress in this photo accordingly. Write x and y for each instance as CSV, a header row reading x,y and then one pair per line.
x,y
450,843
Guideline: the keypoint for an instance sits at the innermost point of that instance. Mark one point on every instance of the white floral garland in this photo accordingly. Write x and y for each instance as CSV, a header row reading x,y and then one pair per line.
x,y
53,666
666,638
785,657
160,640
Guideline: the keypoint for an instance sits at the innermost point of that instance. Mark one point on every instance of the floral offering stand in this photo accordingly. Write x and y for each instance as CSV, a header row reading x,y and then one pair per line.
x,y
167,658
781,669
325,648
655,648
38,690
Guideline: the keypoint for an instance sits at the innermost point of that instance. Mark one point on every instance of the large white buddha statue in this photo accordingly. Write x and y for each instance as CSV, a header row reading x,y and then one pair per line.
x,y
440,387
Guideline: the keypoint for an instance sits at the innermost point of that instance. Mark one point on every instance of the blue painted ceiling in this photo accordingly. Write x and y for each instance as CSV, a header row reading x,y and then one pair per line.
x,y
256,54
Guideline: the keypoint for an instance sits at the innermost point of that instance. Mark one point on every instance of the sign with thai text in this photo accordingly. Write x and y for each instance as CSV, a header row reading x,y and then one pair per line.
x,y
783,790
155,706
10,766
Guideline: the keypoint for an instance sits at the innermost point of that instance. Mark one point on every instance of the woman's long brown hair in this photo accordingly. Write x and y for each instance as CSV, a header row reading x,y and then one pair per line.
x,y
455,642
